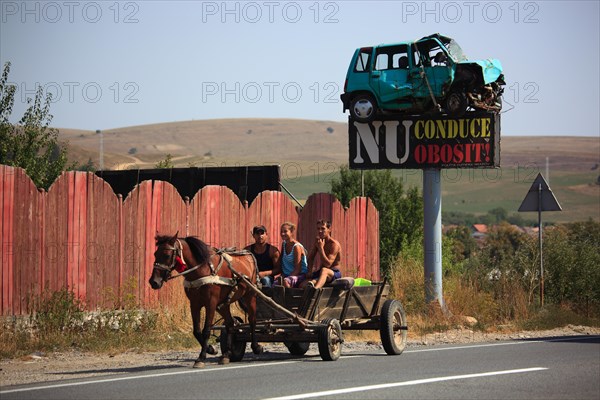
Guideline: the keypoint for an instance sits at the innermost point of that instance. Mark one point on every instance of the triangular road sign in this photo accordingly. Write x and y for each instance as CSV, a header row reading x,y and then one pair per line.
x,y
534,199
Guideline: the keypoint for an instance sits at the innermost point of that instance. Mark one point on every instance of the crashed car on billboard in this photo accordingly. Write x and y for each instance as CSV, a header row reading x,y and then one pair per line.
x,y
430,74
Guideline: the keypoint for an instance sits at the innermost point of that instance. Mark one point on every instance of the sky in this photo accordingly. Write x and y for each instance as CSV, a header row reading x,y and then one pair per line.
x,y
112,64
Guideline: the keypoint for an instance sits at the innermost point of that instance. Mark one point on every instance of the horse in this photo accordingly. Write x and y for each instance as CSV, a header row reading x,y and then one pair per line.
x,y
209,284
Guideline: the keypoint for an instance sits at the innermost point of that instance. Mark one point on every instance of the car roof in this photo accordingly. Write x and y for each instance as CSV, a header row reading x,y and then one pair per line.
x,y
441,38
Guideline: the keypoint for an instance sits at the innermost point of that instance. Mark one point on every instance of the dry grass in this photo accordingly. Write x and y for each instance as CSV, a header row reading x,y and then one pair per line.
x,y
263,141
58,322
506,304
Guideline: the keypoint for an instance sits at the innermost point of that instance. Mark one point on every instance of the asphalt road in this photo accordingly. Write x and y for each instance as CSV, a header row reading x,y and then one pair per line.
x,y
549,368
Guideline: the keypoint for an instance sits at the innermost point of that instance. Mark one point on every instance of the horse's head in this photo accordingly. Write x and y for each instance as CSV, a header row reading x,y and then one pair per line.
x,y
168,248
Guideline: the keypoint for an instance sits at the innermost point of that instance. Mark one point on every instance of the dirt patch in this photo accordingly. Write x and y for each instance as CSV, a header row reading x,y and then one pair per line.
x,y
587,189
38,367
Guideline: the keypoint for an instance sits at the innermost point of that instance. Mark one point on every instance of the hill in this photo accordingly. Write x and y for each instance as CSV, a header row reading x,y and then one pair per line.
x,y
310,153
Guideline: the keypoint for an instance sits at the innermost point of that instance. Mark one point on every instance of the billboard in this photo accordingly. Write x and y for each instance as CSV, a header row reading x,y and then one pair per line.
x,y
419,142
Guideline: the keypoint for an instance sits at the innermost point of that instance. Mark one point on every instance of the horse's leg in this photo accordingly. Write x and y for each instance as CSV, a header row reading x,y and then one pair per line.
x,y
225,312
205,335
195,311
250,300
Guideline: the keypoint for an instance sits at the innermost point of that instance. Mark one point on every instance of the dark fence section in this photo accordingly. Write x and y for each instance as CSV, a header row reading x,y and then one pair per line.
x,y
245,182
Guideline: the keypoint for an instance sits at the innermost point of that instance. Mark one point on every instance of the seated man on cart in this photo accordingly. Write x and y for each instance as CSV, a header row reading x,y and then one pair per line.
x,y
324,258
266,255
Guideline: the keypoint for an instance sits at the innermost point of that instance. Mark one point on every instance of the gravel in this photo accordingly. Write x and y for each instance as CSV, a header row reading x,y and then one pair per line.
x,y
39,367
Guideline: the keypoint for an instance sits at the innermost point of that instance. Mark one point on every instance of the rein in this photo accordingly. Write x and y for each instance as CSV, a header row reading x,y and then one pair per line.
x,y
177,252
212,279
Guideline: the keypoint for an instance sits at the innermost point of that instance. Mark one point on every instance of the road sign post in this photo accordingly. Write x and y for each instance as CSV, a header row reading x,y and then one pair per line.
x,y
540,198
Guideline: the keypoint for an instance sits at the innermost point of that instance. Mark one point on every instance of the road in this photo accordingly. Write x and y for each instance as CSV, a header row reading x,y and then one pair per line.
x,y
548,368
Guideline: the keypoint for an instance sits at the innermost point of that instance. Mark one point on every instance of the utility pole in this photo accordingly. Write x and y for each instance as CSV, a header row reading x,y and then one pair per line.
x,y
101,161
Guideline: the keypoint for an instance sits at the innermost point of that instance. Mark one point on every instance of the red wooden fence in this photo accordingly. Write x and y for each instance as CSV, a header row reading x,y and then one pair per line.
x,y
81,236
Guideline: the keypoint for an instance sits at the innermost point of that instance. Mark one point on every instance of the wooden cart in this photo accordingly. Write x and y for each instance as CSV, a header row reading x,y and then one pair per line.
x,y
303,316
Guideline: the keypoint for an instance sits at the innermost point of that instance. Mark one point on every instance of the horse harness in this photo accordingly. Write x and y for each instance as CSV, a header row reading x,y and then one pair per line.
x,y
212,279
215,279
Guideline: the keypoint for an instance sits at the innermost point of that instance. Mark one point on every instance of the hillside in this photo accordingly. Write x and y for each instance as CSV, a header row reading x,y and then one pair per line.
x,y
218,142
309,153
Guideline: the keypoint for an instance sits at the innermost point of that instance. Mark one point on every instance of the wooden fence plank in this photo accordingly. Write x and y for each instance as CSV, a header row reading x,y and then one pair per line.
x,y
270,209
7,198
27,250
102,244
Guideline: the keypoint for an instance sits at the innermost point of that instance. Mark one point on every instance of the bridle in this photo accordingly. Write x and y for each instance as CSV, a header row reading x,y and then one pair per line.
x,y
177,251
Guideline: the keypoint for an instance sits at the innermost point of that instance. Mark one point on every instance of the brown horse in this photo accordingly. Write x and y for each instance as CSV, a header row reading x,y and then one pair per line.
x,y
212,280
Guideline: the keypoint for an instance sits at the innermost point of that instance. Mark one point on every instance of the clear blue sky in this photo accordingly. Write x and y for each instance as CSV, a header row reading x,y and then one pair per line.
x,y
113,64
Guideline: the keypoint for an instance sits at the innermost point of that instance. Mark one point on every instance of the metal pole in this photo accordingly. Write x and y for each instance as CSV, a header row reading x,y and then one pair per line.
x,y
101,163
541,246
362,183
432,213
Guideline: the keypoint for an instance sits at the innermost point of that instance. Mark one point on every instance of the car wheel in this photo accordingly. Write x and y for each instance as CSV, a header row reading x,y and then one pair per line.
x,y
456,104
363,108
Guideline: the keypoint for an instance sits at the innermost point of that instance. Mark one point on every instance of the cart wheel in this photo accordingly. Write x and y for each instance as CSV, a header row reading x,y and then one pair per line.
x,y
330,340
238,349
393,318
297,348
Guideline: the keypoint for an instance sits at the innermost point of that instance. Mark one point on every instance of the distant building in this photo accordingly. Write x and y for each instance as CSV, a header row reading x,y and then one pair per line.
x,y
479,231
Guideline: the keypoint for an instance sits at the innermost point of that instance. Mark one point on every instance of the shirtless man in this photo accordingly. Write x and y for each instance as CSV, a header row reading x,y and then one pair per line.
x,y
324,257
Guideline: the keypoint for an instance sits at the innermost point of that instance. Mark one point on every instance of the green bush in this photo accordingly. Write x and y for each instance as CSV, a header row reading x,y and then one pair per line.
x,y
400,210
572,266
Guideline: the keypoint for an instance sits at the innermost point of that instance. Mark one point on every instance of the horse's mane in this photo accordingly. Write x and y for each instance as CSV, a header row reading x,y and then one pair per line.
x,y
162,239
200,250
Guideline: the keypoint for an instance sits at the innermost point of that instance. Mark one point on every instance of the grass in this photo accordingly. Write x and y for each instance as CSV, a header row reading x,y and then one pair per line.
x,y
478,191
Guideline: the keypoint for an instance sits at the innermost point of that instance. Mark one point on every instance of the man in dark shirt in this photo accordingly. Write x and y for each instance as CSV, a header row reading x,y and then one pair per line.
x,y
267,256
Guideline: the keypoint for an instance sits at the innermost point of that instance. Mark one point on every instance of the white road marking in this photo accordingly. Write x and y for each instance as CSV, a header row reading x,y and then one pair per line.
x,y
51,386
125,378
474,346
406,383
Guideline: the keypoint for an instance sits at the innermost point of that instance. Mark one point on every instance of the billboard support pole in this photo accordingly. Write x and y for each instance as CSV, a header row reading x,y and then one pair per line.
x,y
432,215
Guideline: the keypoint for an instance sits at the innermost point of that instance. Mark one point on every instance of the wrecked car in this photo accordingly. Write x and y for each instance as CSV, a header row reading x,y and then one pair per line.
x,y
429,75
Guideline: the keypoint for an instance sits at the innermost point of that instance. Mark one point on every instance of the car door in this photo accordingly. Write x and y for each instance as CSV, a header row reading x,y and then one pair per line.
x,y
390,75
436,67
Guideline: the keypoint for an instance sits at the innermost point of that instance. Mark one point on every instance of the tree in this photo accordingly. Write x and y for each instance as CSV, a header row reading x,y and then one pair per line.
x,y
400,211
166,163
463,243
89,166
498,215
571,262
30,144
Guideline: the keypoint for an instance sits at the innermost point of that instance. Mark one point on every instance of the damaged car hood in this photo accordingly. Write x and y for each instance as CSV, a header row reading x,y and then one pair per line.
x,y
491,69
